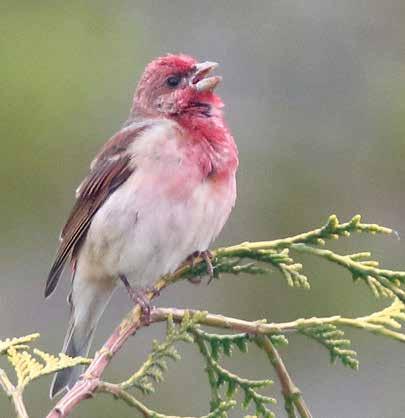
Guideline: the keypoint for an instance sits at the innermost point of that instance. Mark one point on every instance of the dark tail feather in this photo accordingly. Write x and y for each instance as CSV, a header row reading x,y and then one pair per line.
x,y
88,300
76,344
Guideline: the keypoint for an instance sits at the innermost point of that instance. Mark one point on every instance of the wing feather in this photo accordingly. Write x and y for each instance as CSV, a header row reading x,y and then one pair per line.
x,y
109,170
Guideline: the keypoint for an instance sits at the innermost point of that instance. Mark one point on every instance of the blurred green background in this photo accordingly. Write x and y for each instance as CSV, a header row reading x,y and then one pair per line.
x,y
315,95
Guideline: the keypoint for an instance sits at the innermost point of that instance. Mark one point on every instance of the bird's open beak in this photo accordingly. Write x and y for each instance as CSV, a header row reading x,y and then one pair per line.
x,y
199,79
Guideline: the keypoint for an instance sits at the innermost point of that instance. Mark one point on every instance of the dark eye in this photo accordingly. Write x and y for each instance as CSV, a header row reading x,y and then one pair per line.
x,y
173,81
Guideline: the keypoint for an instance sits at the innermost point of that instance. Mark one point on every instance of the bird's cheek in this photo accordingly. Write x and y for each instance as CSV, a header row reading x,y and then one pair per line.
x,y
165,105
159,104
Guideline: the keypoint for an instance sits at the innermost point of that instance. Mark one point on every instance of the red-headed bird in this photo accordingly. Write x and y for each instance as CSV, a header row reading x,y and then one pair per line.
x,y
158,191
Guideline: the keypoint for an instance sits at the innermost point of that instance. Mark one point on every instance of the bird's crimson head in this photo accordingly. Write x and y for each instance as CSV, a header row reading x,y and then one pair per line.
x,y
174,85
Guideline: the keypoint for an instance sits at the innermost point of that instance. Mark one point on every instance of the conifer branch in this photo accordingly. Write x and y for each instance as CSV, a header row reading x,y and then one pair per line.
x,y
292,395
14,394
383,322
219,376
380,323
151,370
332,339
383,282
250,258
29,365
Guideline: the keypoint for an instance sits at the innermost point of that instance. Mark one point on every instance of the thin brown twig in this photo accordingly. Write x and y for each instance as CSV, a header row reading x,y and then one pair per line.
x,y
292,395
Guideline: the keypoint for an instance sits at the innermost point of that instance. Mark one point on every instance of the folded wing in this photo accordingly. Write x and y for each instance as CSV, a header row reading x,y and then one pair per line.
x,y
110,169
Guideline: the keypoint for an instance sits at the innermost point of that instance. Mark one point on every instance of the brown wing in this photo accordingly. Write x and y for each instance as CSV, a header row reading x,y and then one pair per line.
x,y
110,169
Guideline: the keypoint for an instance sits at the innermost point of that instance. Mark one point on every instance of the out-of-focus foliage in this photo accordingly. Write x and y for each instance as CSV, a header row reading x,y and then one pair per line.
x,y
28,365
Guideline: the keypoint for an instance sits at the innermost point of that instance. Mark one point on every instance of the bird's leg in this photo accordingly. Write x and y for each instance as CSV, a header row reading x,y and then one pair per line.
x,y
207,257
138,296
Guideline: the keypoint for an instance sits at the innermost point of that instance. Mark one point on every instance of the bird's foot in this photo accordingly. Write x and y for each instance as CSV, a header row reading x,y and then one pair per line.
x,y
146,307
191,262
207,257
139,297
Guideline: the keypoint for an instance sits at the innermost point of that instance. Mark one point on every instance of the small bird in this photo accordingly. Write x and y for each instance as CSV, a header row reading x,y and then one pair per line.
x,y
158,191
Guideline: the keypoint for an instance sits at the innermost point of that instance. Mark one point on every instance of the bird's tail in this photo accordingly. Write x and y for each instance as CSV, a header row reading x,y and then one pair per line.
x,y
88,300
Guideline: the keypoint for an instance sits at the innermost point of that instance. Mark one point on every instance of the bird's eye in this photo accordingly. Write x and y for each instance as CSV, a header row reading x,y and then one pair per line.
x,y
173,81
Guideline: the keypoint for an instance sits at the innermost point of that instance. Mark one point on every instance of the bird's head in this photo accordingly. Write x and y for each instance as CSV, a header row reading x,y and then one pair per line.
x,y
174,85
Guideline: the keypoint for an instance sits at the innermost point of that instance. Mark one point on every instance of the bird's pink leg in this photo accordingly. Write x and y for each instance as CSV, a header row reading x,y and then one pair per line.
x,y
138,296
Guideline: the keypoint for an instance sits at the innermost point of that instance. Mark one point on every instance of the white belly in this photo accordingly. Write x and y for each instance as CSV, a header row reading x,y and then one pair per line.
x,y
143,234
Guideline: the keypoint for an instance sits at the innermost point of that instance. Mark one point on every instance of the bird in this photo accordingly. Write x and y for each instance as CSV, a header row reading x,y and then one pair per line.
x,y
158,191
